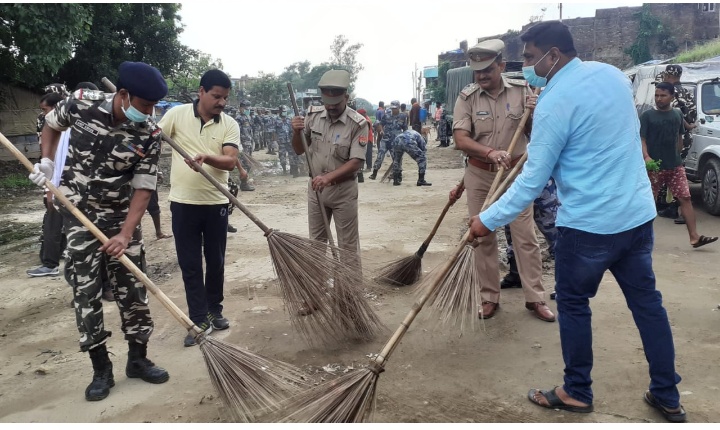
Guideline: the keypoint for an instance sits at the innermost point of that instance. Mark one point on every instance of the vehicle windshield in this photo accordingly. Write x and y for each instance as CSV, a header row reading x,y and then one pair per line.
x,y
711,98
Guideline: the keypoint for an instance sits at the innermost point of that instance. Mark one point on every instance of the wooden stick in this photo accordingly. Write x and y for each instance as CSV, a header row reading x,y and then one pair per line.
x,y
425,244
318,195
164,300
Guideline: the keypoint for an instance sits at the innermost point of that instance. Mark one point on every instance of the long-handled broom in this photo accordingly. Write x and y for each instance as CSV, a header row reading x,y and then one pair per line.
x,y
303,268
407,270
246,382
351,398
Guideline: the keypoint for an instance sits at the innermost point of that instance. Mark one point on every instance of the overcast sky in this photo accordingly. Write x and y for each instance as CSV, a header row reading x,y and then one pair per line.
x,y
397,35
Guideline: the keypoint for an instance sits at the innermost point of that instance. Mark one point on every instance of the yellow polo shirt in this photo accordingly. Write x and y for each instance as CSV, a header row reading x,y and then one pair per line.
x,y
184,125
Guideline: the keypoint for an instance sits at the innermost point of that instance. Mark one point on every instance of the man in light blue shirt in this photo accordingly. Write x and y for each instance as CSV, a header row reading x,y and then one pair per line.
x,y
586,135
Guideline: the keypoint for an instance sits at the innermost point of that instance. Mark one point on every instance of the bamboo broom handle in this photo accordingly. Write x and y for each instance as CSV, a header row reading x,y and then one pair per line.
x,y
425,244
215,183
318,195
164,300
516,137
511,177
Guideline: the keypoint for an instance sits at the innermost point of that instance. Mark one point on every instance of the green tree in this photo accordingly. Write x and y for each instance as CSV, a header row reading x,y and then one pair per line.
x,y
295,74
120,32
268,90
344,56
184,82
36,39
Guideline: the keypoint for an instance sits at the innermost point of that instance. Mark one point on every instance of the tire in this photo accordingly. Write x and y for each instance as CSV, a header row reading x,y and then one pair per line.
x,y
711,186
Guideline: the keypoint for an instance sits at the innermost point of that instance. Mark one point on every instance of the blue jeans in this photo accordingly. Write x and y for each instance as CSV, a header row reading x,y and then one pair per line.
x,y
581,259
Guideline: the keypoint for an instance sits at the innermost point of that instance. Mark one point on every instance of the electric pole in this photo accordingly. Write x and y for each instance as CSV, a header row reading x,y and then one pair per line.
x,y
560,7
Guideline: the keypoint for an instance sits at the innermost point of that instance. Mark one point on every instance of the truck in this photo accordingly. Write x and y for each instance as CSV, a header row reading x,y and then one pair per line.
x,y
702,81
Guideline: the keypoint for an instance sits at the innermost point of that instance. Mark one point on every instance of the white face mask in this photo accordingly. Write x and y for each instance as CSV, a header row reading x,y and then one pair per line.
x,y
532,78
133,114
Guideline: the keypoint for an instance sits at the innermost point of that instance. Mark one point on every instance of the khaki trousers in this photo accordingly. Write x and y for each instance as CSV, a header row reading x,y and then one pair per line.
x,y
525,244
341,205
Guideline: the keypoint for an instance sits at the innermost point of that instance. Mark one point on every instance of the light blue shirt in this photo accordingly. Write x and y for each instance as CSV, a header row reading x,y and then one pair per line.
x,y
586,134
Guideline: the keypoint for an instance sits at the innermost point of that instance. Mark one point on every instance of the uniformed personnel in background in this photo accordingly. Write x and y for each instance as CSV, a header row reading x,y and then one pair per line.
x,y
111,152
412,143
336,136
391,125
246,140
487,114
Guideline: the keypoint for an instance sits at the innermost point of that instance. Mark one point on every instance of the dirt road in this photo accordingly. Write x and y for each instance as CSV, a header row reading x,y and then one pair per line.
x,y
435,375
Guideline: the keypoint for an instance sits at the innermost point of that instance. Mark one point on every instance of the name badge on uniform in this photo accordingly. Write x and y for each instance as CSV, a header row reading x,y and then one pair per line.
x,y
482,112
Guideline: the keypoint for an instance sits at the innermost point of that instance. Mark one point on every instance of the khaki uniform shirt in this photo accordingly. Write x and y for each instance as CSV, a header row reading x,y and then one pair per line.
x,y
492,122
332,144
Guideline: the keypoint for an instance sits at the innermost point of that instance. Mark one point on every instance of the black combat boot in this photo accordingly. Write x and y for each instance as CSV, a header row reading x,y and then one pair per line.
x,y
400,177
512,279
396,178
361,178
138,365
374,174
421,180
103,378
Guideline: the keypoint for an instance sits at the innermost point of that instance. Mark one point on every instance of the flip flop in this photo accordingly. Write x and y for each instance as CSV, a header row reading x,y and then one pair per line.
x,y
673,417
704,240
164,236
554,402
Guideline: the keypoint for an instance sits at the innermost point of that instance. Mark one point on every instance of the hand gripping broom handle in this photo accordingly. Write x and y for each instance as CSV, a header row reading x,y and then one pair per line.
x,y
425,244
318,195
520,129
164,300
381,359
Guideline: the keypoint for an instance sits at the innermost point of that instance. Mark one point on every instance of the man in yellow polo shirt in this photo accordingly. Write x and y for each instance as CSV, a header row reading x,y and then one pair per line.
x,y
199,210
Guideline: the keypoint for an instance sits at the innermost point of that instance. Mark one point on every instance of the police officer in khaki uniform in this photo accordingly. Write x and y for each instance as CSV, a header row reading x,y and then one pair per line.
x,y
337,137
487,114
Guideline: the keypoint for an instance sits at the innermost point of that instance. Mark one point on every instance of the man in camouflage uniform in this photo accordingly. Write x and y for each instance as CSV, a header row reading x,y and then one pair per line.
x,y
412,143
283,130
246,138
391,125
256,127
111,153
269,132
544,213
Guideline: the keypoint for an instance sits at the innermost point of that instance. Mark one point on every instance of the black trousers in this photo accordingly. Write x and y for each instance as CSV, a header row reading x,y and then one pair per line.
x,y
198,230
53,238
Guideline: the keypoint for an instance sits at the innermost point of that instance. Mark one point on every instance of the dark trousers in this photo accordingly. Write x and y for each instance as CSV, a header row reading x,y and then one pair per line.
x,y
368,155
53,240
581,259
198,230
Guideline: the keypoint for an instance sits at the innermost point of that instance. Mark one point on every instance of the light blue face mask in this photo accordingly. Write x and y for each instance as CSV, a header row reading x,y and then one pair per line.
x,y
532,78
133,114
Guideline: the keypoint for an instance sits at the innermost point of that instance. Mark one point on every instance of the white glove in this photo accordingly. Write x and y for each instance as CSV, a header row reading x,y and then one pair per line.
x,y
42,171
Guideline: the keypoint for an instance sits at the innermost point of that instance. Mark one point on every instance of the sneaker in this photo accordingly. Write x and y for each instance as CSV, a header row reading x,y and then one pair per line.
x,y
231,229
43,271
218,321
190,338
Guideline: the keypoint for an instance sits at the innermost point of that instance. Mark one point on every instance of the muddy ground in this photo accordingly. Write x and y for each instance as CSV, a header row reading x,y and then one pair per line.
x,y
435,375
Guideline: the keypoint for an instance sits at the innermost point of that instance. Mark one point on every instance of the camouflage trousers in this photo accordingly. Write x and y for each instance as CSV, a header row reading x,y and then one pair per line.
x,y
413,151
286,154
130,294
385,146
544,212
247,149
258,138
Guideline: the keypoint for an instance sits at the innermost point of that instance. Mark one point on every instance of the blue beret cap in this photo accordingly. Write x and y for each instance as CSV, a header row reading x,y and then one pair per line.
x,y
142,80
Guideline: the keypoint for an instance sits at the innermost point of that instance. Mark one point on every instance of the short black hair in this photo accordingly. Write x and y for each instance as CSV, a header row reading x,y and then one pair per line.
x,y
413,100
549,34
86,86
213,78
402,106
381,104
51,99
666,86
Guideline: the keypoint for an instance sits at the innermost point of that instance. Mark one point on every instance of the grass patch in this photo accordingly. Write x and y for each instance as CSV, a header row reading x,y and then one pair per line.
x,y
16,181
700,53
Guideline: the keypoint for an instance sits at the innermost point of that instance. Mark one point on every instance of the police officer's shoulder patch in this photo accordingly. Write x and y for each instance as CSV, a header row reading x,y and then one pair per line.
x,y
315,109
353,115
468,90
363,140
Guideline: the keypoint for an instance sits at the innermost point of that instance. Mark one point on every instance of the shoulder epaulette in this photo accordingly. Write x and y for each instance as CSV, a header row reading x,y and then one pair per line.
x,y
469,89
352,114
516,82
315,109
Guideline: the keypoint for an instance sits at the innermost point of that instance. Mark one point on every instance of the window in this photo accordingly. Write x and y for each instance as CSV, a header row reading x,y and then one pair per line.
x,y
706,7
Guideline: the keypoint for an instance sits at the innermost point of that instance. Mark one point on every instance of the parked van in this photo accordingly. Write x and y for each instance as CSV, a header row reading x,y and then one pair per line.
x,y
702,163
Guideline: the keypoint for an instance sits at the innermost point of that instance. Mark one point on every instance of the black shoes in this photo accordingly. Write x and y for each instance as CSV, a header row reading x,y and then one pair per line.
x,y
218,321
421,181
374,174
139,366
512,279
205,326
103,378
231,229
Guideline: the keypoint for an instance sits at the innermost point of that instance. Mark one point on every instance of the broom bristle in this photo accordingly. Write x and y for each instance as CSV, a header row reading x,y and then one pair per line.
x,y
347,399
403,272
329,283
455,299
249,384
